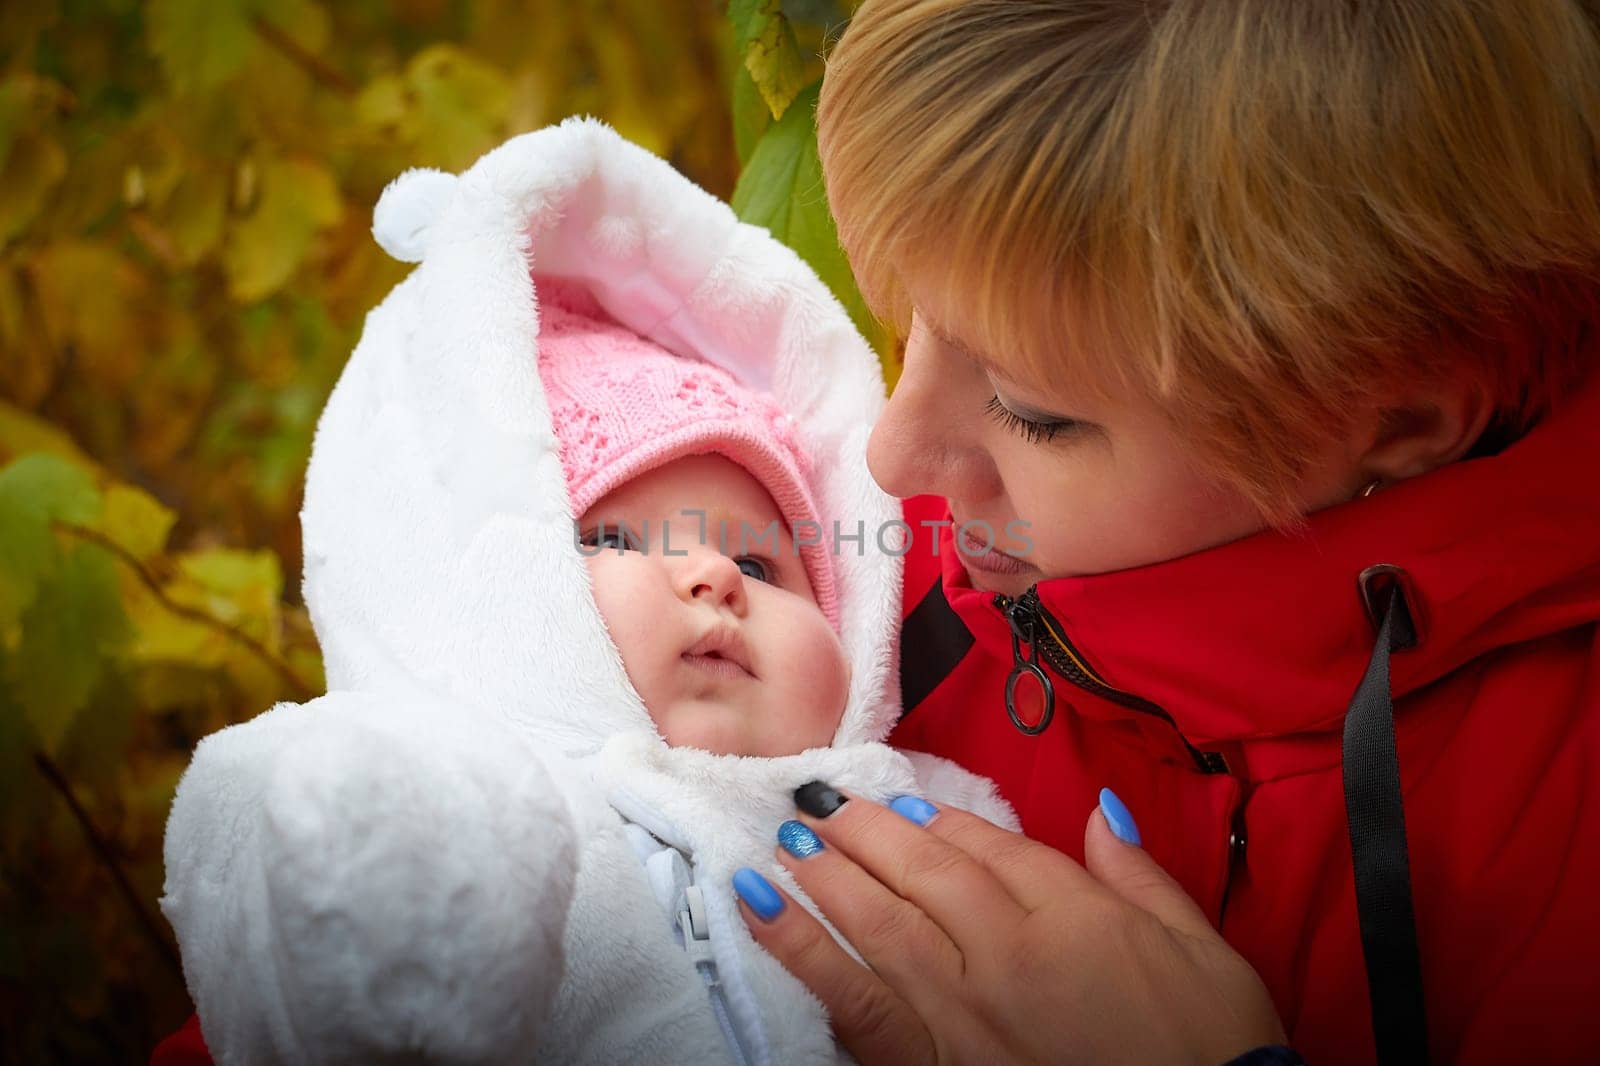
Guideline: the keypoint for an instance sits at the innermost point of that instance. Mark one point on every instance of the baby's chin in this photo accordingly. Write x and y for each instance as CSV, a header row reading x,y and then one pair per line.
x,y
724,730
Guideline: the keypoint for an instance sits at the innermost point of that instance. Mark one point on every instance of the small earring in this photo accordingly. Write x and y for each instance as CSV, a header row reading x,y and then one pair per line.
x,y
1370,489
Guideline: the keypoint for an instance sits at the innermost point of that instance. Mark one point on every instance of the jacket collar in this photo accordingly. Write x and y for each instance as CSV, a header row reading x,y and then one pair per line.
x,y
1269,635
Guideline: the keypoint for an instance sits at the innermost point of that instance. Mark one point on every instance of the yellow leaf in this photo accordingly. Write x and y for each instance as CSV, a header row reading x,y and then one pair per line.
x,y
193,215
232,585
33,167
32,161
298,197
461,104
136,521
22,432
774,63
164,639
95,302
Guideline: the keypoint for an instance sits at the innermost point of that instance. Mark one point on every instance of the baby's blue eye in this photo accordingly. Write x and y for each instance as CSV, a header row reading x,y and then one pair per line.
x,y
754,569
617,538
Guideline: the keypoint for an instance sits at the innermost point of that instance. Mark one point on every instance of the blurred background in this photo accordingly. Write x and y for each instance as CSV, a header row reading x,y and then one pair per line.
x,y
186,190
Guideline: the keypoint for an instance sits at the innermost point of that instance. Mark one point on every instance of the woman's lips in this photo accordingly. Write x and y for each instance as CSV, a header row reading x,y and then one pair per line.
x,y
977,555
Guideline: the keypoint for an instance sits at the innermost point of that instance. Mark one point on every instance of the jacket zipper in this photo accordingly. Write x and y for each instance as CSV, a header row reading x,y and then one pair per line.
x,y
1032,625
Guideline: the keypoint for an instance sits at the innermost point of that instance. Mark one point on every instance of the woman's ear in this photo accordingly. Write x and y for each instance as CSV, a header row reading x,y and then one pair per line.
x,y
1424,431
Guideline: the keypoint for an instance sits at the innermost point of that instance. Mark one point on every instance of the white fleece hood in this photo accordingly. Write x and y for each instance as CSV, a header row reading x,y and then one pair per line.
x,y
438,539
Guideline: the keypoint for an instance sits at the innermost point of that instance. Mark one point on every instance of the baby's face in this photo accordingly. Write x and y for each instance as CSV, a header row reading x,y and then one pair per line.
x,y
724,642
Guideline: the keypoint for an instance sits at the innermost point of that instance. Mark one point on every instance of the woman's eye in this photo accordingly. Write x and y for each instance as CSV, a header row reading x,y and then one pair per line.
x,y
1033,431
756,569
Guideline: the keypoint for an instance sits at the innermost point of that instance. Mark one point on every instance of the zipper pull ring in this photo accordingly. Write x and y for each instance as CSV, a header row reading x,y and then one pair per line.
x,y
1023,623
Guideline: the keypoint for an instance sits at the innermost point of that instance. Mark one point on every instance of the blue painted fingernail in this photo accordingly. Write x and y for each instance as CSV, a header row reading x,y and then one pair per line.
x,y
1118,818
798,839
914,808
758,893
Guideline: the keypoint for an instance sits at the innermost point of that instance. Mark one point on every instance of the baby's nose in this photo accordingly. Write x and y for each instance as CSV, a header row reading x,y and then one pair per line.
x,y
710,575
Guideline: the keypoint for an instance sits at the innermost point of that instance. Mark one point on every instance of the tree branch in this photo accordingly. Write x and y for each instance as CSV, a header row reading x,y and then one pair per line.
x,y
108,858
321,72
297,686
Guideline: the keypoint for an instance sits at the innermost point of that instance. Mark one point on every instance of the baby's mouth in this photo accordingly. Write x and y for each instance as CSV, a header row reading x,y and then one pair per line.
x,y
720,667
721,651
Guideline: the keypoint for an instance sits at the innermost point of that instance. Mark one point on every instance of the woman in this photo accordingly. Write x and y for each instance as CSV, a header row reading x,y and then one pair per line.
x,y
1249,349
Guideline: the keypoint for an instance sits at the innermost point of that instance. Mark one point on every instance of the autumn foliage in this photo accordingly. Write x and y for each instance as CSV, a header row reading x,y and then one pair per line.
x,y
185,194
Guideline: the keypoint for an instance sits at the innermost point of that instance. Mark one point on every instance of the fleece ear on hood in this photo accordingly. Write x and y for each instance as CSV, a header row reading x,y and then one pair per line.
x,y
438,533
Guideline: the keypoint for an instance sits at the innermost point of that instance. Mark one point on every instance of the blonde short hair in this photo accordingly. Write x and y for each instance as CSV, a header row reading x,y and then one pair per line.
x,y
1265,213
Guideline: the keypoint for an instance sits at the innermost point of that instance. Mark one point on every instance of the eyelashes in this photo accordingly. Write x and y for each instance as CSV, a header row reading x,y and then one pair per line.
x,y
755,567
1033,432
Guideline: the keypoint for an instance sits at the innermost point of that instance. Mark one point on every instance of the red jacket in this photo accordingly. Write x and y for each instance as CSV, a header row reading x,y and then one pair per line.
x,y
1246,656
1254,650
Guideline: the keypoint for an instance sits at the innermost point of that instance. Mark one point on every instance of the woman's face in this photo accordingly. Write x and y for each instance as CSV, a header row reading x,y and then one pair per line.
x,y
1067,485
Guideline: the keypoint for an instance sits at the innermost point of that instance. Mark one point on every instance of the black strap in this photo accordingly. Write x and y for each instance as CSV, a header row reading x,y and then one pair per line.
x,y
1377,822
933,642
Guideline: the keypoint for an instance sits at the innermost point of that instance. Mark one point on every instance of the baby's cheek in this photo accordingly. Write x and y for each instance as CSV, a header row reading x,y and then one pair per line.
x,y
622,601
821,684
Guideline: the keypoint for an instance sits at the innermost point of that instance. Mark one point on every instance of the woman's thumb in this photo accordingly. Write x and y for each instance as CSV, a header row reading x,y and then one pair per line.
x,y
1112,853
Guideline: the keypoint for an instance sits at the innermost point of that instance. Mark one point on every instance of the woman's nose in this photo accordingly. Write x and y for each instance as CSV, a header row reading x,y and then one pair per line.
x,y
707,574
924,441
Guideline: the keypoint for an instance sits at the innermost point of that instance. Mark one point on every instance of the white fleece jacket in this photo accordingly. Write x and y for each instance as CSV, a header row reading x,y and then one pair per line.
x,y
475,847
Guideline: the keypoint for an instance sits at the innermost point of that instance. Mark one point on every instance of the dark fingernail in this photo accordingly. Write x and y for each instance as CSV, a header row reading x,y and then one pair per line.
x,y
819,799
798,839
1118,817
914,808
758,893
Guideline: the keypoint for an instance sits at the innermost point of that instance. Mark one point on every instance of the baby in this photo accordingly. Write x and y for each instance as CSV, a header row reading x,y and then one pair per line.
x,y
600,578
691,497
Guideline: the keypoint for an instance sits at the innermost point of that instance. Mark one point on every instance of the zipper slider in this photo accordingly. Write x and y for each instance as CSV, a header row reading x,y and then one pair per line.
x,y
1022,615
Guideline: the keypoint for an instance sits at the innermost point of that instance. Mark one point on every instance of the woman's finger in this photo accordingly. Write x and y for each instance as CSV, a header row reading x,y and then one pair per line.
x,y
869,1019
1112,852
961,897
1031,873
900,942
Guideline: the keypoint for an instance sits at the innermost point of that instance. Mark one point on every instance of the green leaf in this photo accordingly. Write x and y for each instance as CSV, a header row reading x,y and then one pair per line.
x,y
781,189
751,117
747,18
764,42
34,490
74,623
200,43
299,197
52,486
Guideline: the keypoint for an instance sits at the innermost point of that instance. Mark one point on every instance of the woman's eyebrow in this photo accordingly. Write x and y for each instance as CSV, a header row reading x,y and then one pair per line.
x,y
984,363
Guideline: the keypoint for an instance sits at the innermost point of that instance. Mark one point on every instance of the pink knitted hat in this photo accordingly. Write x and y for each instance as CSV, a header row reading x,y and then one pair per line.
x,y
622,406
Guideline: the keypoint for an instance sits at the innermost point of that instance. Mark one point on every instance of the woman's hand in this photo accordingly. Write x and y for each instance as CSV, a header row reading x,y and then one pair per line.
x,y
985,946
